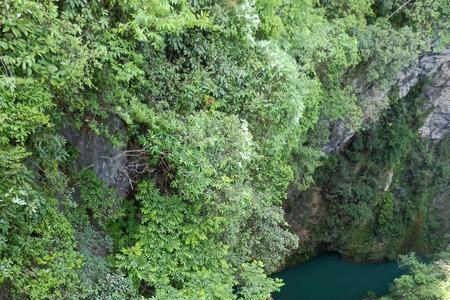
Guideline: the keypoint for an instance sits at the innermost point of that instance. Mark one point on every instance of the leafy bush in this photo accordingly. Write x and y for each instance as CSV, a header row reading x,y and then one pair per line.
x,y
97,199
424,281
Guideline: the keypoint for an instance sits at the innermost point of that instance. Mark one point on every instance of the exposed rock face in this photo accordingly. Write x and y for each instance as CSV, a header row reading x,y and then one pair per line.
x,y
427,66
388,175
339,136
437,93
435,69
97,153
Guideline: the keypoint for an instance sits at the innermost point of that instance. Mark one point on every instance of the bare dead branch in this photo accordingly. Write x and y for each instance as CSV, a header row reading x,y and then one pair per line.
x,y
398,9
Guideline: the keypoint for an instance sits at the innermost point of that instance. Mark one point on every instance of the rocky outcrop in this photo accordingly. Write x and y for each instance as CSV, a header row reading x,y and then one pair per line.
x,y
432,68
339,136
387,179
97,153
426,67
437,95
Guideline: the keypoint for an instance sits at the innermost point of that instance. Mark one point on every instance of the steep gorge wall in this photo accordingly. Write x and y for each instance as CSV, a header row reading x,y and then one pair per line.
x,y
311,213
433,68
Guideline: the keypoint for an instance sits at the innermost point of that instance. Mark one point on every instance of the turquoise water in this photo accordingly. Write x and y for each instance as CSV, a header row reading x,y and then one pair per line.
x,y
329,277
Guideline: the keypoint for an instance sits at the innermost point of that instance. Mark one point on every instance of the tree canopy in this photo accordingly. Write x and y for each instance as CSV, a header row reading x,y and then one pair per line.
x,y
226,103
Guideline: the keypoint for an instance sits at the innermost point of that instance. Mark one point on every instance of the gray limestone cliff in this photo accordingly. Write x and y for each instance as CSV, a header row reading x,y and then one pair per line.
x,y
432,68
437,95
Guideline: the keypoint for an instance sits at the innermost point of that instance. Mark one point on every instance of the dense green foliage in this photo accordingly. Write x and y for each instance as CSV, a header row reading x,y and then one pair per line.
x,y
225,103
426,281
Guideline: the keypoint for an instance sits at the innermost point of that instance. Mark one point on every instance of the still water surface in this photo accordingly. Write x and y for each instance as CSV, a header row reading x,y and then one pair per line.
x,y
329,277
